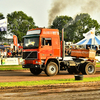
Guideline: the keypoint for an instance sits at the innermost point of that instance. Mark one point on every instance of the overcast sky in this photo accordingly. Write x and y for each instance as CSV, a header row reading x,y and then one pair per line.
x,y
39,9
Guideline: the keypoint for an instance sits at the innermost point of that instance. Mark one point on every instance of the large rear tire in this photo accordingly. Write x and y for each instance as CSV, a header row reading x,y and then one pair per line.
x,y
35,71
88,68
51,69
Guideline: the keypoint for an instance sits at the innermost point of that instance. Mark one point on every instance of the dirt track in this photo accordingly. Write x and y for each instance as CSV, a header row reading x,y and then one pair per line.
x,y
14,76
71,91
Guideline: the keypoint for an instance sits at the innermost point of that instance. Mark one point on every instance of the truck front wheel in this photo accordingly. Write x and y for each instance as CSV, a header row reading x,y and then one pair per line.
x,y
35,71
51,69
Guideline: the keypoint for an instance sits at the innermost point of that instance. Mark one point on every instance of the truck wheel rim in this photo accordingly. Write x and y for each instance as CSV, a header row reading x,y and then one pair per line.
x,y
90,69
52,69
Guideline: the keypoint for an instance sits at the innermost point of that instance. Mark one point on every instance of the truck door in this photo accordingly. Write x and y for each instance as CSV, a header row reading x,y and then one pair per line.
x,y
46,48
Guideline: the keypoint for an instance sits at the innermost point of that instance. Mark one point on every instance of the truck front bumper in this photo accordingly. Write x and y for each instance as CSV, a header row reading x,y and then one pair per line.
x,y
31,66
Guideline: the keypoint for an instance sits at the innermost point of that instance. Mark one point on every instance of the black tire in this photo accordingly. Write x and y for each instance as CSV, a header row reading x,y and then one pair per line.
x,y
88,68
35,71
51,69
70,71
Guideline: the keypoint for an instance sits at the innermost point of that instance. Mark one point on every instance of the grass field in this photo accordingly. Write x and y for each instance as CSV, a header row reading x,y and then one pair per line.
x,y
97,64
12,67
47,82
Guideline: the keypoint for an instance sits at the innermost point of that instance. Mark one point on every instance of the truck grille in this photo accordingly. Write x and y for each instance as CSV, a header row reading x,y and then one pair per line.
x,y
30,55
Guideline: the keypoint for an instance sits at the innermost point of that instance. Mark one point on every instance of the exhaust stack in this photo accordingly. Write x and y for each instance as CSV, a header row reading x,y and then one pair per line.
x,y
63,45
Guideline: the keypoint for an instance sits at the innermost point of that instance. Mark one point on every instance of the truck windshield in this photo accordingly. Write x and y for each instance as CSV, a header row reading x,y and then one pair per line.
x,y
31,42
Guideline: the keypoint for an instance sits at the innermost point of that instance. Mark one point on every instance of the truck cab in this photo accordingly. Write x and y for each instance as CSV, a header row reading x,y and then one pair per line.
x,y
40,46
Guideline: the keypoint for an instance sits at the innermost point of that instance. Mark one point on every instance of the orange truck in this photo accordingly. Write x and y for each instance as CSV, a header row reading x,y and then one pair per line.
x,y
43,51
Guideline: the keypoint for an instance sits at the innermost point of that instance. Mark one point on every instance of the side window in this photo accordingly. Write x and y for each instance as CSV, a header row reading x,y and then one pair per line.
x,y
46,41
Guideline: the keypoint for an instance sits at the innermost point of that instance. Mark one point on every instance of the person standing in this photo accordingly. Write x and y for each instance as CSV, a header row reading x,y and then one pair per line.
x,y
2,53
9,54
5,53
13,52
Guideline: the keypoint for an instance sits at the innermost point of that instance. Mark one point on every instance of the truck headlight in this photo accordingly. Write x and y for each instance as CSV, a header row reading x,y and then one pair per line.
x,y
23,62
36,62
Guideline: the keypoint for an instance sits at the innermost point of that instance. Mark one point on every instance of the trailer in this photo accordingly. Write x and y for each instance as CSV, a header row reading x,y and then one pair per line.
x,y
43,51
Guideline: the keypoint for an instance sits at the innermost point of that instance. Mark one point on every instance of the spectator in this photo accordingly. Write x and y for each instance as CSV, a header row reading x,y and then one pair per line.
x,y
9,54
17,52
65,51
2,53
5,53
20,51
13,53
69,52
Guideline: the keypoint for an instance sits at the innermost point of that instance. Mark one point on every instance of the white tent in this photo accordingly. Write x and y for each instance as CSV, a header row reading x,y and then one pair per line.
x,y
90,38
89,41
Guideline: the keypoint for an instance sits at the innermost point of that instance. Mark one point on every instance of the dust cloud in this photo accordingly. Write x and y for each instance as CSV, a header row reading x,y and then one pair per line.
x,y
86,6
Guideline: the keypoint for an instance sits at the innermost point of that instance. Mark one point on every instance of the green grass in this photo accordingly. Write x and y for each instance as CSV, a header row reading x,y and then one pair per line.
x,y
12,67
47,82
97,65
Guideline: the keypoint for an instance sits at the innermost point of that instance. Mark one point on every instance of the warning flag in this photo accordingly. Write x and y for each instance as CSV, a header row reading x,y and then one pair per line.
x,y
15,40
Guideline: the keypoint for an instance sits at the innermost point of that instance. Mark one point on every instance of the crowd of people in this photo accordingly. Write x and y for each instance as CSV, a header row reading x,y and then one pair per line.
x,y
10,52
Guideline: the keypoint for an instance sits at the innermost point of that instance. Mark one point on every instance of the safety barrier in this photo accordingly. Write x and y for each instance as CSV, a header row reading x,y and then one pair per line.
x,y
10,61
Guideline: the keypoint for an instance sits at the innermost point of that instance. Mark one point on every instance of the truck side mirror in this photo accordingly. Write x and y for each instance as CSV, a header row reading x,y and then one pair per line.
x,y
43,42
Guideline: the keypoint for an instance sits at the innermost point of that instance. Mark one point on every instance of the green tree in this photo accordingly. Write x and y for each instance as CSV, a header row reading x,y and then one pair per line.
x,y
69,33
74,28
61,22
2,33
82,24
19,23
1,16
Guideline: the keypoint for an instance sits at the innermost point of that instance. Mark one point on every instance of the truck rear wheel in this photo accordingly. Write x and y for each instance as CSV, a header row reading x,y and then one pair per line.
x,y
51,69
35,71
88,68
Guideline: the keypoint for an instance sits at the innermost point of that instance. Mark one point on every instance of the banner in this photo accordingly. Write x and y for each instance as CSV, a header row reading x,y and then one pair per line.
x,y
15,40
10,61
3,24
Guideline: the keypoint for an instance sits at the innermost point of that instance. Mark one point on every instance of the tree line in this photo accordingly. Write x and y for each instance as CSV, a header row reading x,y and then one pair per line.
x,y
19,23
